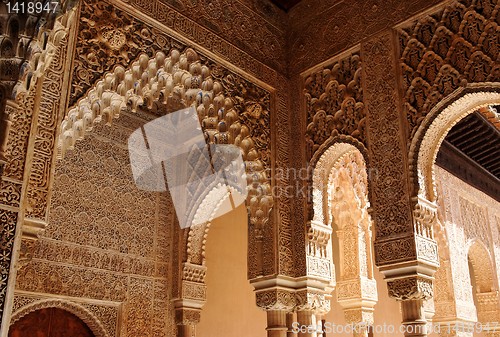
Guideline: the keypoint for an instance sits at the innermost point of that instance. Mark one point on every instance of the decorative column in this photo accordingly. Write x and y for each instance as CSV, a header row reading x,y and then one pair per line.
x,y
412,292
311,306
356,287
191,297
290,320
273,296
405,249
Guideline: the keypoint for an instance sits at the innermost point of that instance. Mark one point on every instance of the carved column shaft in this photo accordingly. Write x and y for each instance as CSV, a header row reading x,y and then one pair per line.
x,y
307,323
186,331
277,323
414,318
290,320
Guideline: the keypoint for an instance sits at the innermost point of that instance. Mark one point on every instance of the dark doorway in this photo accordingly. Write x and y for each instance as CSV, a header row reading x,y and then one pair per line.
x,y
50,322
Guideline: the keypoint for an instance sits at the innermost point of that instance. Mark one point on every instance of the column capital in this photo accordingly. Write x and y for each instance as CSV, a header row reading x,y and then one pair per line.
x,y
187,316
314,301
410,288
424,216
276,299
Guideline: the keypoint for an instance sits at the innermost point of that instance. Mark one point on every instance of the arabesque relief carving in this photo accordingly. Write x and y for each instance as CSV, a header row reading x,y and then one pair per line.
x,y
319,30
334,101
88,250
348,205
27,56
403,226
246,26
388,189
231,110
181,80
137,60
467,241
446,50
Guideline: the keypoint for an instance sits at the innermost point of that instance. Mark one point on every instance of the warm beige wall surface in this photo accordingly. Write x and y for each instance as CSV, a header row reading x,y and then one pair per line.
x,y
230,309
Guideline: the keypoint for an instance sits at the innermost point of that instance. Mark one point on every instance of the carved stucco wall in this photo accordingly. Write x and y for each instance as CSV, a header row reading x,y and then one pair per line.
x,y
469,217
96,251
142,35
446,50
384,99
338,25
107,240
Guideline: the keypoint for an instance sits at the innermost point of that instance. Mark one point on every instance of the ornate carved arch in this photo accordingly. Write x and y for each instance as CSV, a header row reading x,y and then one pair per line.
x,y
432,131
340,199
320,166
487,299
482,263
177,81
81,312
231,111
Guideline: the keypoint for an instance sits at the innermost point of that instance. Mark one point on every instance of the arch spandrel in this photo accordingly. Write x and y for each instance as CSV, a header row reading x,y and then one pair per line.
x,y
431,133
177,81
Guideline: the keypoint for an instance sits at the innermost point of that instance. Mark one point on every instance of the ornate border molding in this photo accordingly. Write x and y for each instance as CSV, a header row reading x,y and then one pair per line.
x,y
432,131
78,310
324,159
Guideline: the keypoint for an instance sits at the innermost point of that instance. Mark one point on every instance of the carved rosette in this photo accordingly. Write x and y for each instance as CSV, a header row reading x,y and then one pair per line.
x,y
411,288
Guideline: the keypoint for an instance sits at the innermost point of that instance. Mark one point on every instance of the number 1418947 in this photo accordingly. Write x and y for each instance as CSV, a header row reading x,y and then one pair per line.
x,y
32,7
